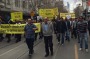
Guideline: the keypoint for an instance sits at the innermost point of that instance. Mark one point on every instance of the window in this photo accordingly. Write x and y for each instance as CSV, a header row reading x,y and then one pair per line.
x,y
2,1
17,3
24,4
8,2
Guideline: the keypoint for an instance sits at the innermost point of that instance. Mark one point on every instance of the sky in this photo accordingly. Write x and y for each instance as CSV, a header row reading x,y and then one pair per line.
x,y
72,3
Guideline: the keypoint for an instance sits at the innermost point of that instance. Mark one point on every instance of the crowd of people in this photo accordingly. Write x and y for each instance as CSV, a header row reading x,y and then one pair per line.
x,y
64,29
77,28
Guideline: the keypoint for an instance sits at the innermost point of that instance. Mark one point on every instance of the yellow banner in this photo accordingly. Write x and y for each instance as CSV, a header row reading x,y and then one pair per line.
x,y
16,28
56,11
16,16
64,15
50,13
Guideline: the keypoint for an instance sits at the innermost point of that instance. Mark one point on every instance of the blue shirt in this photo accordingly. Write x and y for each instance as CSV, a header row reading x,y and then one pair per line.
x,y
29,32
46,27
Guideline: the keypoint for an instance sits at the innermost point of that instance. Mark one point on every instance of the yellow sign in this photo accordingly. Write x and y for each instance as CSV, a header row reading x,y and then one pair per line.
x,y
73,15
16,28
63,15
16,16
56,11
50,13
42,12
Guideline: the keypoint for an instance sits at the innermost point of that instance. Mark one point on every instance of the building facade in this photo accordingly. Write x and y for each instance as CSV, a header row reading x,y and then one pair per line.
x,y
15,5
8,6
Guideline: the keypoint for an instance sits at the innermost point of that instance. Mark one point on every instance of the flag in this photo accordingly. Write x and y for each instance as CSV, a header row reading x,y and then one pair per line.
x,y
88,2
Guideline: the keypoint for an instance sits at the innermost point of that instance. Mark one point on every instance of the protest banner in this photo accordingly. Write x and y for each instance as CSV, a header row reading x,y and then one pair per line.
x,y
64,15
56,11
49,13
16,28
16,16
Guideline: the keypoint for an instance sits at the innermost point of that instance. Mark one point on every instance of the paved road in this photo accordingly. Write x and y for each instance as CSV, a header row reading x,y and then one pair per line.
x,y
20,51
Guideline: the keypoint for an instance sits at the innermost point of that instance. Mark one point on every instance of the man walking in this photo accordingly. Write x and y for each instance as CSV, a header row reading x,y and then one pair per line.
x,y
82,27
30,35
58,29
47,28
68,27
61,29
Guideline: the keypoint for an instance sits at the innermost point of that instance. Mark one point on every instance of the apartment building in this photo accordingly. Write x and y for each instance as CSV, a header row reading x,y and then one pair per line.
x,y
15,5
8,6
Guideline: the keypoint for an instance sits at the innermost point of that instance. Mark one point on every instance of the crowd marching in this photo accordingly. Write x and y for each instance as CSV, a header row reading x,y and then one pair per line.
x,y
64,29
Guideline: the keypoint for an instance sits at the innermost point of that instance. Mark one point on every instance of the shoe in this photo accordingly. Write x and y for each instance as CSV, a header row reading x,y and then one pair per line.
x,y
80,49
1,40
69,40
61,44
78,42
58,42
71,37
52,54
16,41
66,39
30,54
8,41
75,37
46,55
86,50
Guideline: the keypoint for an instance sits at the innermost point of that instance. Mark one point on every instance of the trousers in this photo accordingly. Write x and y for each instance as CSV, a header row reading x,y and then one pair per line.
x,y
48,44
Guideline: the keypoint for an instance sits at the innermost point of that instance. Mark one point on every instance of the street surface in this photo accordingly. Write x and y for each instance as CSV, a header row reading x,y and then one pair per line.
x,y
70,50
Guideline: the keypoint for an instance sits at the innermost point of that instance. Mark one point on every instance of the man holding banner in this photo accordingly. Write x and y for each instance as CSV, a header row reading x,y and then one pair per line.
x,y
30,35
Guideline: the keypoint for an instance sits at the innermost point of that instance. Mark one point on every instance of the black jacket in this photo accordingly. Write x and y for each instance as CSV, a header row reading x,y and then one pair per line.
x,y
89,24
68,25
61,26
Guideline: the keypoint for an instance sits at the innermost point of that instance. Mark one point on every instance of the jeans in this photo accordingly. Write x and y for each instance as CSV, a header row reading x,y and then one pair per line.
x,y
84,39
74,32
67,35
78,37
62,38
36,34
58,37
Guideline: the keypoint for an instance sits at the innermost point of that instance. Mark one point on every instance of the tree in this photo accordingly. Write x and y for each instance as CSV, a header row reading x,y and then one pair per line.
x,y
78,11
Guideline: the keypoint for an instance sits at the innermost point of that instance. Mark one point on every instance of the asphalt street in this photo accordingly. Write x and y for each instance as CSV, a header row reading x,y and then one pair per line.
x,y
70,50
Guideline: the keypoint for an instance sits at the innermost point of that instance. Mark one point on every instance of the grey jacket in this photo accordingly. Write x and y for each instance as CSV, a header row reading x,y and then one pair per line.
x,y
49,31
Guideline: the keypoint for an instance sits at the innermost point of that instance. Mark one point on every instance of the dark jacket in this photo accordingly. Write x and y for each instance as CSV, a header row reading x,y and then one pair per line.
x,y
54,25
82,27
89,25
61,26
68,25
